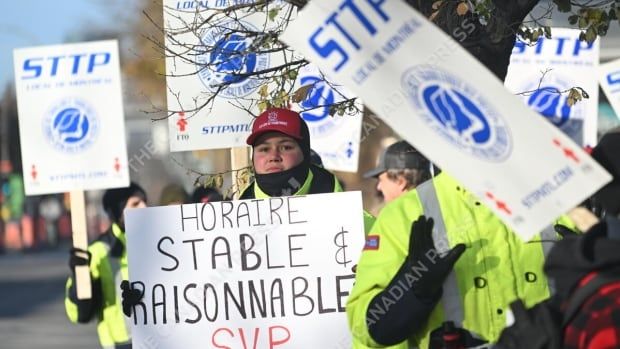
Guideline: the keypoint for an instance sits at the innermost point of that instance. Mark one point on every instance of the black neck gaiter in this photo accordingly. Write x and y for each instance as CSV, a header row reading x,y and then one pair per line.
x,y
284,183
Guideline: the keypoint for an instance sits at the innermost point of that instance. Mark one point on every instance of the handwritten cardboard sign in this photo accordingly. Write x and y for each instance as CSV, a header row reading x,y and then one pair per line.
x,y
269,273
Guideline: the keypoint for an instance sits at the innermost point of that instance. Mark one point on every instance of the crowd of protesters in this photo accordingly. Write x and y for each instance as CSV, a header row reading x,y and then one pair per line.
x,y
439,269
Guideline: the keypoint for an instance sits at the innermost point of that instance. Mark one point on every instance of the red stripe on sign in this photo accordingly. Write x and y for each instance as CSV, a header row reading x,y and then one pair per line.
x,y
372,243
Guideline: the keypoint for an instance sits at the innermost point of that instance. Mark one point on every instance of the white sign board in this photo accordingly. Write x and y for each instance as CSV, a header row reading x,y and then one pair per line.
x,y
568,62
609,78
335,138
272,273
223,122
421,82
199,59
71,117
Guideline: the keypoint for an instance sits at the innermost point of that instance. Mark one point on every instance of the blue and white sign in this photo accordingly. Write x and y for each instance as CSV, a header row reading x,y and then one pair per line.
x,y
336,138
609,78
205,60
568,62
222,58
456,111
450,107
71,117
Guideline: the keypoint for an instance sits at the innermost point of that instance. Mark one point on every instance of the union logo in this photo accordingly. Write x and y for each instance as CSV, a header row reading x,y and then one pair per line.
x,y
71,125
226,64
458,112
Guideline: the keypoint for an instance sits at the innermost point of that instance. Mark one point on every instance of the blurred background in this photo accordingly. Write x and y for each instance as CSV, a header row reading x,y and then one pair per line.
x,y
35,232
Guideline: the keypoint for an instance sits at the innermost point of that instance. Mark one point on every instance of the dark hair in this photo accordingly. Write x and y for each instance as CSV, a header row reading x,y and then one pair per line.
x,y
203,195
413,176
114,200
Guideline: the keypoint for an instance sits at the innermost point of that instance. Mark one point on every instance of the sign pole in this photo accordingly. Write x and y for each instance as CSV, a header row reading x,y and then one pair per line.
x,y
239,158
80,241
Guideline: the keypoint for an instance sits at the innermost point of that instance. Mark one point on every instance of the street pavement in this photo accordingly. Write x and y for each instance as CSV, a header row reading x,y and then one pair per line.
x,y
32,313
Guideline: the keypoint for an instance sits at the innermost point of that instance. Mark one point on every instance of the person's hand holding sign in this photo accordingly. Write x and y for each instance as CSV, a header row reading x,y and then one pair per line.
x,y
130,297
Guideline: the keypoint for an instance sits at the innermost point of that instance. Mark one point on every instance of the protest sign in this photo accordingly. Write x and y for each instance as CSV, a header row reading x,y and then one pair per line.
x,y
609,78
71,119
266,273
336,138
443,101
200,59
219,53
542,74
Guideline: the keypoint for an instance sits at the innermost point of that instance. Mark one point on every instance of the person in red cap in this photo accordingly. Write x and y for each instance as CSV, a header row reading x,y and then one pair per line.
x,y
281,157
282,160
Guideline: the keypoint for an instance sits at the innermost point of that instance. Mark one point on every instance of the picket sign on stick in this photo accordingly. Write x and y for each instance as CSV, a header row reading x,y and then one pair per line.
x,y
70,116
567,62
444,102
239,158
80,241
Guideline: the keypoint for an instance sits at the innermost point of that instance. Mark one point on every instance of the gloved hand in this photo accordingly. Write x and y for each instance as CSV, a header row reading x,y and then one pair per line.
x,y
130,297
535,328
422,252
77,256
596,207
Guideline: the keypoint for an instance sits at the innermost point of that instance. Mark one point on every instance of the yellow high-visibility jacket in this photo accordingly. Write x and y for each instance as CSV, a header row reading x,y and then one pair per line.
x,y
496,268
108,265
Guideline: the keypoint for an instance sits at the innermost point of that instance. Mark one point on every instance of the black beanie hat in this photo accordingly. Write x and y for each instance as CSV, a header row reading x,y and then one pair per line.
x,y
114,200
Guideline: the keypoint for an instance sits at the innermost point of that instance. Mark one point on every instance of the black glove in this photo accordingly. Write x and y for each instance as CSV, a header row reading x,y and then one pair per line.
x,y
422,253
595,206
535,328
411,307
564,231
130,297
77,256
450,336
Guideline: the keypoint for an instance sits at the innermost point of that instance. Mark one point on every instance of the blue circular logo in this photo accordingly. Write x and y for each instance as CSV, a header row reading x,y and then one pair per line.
x,y
318,100
553,105
456,111
548,102
226,60
71,126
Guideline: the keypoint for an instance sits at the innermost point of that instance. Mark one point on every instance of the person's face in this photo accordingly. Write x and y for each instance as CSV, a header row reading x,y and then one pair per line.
x,y
391,188
132,202
275,152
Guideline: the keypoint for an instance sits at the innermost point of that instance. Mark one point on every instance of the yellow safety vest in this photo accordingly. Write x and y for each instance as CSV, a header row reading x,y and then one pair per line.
x,y
108,259
496,268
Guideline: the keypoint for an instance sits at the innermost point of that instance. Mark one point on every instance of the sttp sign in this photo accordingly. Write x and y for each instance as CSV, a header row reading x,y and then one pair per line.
x,y
71,117
421,82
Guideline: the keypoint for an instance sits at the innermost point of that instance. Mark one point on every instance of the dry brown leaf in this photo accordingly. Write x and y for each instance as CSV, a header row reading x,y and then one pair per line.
x,y
462,9
301,93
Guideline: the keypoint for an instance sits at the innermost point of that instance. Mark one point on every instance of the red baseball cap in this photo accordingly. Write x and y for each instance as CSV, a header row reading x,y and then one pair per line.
x,y
280,120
